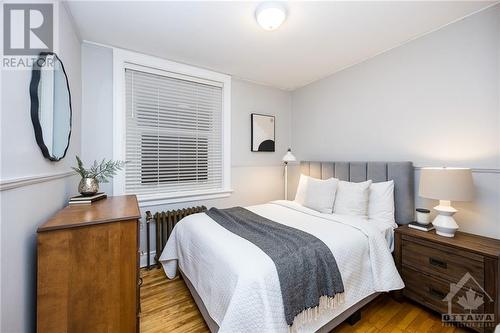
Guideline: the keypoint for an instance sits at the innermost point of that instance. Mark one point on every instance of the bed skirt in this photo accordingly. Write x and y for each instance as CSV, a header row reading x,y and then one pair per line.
x,y
214,328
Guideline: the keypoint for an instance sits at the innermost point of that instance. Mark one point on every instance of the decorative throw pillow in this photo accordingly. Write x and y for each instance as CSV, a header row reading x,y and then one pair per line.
x,y
352,198
316,194
381,201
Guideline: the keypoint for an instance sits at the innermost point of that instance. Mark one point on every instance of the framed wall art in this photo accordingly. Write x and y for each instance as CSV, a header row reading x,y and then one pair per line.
x,y
263,132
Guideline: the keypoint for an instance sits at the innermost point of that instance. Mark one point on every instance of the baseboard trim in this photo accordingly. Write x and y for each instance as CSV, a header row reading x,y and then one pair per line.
x,y
9,184
144,259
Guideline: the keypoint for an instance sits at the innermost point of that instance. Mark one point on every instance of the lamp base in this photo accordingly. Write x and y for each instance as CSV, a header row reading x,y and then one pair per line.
x,y
286,180
444,222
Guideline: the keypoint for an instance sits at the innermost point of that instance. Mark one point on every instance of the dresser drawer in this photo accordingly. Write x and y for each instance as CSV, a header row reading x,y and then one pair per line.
x,y
444,262
431,291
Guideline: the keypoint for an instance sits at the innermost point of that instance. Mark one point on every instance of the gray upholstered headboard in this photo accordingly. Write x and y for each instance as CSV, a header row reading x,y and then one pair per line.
x,y
400,172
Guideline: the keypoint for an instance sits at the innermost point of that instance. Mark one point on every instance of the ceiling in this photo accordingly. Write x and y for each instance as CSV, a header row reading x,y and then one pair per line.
x,y
316,40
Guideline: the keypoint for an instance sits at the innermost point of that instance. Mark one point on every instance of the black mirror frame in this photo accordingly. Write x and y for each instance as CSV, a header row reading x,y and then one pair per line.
x,y
35,81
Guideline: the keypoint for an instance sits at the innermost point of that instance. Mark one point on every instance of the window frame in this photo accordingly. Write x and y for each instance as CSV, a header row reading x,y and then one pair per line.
x,y
123,59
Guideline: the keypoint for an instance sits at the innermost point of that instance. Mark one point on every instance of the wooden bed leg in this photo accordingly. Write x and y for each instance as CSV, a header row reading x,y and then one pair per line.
x,y
354,318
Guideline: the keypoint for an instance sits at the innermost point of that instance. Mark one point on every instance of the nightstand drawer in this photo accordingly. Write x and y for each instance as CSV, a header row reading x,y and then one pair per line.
x,y
443,262
429,263
431,292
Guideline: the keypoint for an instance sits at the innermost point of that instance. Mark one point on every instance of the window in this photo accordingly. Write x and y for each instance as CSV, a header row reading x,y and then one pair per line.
x,y
175,134
189,161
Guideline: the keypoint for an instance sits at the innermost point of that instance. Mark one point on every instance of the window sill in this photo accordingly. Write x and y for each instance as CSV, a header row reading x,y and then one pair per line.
x,y
165,199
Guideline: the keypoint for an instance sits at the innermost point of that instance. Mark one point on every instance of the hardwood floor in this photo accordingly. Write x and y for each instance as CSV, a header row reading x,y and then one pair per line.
x,y
167,306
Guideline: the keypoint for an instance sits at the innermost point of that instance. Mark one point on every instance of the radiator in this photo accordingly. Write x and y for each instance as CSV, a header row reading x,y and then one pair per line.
x,y
164,224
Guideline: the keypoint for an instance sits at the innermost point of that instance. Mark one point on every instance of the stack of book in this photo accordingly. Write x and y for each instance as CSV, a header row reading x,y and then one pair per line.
x,y
82,199
420,226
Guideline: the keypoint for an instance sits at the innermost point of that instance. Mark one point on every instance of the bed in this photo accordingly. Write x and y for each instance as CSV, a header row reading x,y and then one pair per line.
x,y
235,284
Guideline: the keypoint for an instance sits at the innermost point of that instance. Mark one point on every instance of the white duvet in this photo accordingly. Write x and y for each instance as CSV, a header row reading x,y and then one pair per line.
x,y
239,284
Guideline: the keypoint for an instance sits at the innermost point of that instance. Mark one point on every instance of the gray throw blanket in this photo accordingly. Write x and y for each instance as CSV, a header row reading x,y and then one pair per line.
x,y
306,267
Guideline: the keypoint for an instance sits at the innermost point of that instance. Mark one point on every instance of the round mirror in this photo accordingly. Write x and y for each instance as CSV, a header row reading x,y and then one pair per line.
x,y
50,106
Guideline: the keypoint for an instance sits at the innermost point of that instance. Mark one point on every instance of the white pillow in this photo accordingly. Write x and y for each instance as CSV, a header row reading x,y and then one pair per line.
x,y
381,202
316,194
352,198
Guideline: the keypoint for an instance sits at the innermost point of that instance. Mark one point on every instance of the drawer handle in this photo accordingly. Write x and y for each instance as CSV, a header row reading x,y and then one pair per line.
x,y
438,263
436,293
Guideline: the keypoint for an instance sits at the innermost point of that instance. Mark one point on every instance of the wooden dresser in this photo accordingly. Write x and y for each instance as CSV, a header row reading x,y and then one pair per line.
x,y
429,264
88,260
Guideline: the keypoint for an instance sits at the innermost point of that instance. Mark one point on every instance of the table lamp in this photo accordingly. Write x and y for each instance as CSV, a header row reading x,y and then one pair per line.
x,y
287,158
446,185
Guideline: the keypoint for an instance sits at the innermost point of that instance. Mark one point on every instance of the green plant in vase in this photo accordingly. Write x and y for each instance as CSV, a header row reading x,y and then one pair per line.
x,y
97,173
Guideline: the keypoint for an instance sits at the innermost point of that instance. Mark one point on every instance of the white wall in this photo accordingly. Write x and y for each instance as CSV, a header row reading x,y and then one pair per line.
x,y
26,207
434,101
97,105
256,177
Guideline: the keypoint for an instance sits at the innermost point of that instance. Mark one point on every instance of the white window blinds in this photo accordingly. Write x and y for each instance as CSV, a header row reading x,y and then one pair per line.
x,y
173,134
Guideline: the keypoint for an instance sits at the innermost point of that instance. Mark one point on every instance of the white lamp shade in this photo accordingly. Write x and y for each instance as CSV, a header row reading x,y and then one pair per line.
x,y
452,184
289,157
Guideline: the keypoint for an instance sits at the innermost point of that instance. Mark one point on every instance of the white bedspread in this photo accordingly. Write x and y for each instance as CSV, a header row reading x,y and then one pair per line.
x,y
238,282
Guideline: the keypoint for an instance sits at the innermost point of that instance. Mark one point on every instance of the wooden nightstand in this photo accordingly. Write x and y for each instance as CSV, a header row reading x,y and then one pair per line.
x,y
429,264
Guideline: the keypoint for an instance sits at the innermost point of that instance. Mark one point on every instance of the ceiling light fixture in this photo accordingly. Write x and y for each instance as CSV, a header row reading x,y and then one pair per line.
x,y
270,15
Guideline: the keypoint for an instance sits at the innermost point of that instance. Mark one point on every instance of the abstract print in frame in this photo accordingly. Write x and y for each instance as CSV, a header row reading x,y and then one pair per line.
x,y
263,136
